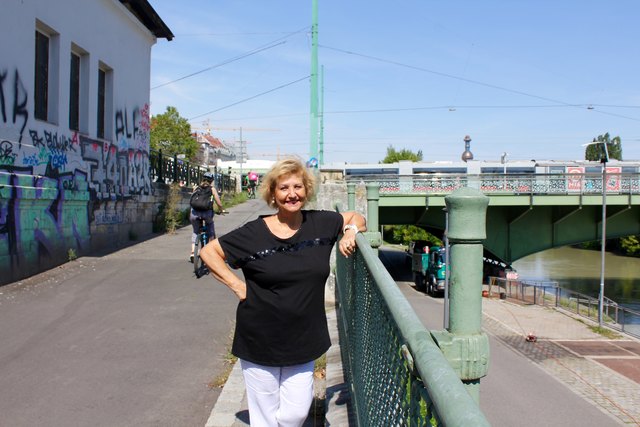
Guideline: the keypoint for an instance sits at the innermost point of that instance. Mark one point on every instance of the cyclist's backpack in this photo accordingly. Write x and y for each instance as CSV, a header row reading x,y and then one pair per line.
x,y
201,199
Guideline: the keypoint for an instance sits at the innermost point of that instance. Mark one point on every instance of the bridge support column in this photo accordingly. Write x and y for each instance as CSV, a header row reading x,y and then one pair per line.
x,y
464,344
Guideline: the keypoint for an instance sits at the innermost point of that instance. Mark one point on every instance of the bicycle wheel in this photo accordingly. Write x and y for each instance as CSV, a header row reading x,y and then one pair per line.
x,y
197,262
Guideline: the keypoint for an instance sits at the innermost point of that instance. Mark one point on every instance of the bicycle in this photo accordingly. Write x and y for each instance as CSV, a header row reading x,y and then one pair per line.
x,y
251,190
201,241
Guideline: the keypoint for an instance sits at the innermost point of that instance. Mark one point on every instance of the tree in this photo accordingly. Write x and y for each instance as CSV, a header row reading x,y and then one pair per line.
x,y
394,156
404,234
596,151
630,245
172,134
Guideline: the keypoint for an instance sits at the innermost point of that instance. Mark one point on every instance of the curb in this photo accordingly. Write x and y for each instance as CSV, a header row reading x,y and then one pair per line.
x,y
229,402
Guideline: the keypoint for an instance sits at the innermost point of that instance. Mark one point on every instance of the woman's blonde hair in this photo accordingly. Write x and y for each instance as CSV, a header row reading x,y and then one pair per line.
x,y
285,168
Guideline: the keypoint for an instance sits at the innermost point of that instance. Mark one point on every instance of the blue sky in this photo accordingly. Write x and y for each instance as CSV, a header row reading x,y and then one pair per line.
x,y
535,79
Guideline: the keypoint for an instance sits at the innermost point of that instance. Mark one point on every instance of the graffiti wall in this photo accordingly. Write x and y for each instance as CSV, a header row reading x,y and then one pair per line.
x,y
59,188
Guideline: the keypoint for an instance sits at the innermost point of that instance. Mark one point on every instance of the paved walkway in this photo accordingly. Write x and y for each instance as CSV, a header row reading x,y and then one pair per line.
x,y
605,372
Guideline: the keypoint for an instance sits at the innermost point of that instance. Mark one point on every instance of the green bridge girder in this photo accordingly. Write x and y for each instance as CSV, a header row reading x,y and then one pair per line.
x,y
519,225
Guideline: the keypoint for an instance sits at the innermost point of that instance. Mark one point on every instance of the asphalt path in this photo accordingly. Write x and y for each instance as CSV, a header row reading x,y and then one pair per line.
x,y
515,392
130,338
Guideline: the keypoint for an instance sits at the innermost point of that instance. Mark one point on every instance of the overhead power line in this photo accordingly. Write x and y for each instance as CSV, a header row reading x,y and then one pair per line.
x,y
235,34
250,98
225,62
476,82
259,49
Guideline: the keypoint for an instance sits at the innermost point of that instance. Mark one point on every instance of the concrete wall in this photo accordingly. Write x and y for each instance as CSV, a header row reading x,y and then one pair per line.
x,y
64,189
42,222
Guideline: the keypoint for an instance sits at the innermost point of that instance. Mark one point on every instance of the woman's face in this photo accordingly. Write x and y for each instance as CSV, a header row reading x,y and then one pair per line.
x,y
290,194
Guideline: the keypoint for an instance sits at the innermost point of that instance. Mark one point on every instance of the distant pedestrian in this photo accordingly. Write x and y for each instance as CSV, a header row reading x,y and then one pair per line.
x,y
281,326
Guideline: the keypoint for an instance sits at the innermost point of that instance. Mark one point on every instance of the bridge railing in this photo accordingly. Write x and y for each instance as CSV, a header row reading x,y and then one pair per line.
x,y
401,374
566,183
389,355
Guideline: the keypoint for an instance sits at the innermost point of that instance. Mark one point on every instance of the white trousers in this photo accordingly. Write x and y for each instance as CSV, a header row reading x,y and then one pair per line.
x,y
278,396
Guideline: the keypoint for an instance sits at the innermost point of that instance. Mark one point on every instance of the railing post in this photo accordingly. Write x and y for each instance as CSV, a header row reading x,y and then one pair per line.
x,y
373,197
160,165
463,343
175,168
351,196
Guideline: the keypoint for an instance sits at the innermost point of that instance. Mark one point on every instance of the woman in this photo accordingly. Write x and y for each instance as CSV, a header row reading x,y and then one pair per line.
x,y
196,215
281,327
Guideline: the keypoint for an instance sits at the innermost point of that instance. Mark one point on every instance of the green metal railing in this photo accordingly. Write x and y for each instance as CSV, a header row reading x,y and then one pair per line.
x,y
491,183
170,169
399,373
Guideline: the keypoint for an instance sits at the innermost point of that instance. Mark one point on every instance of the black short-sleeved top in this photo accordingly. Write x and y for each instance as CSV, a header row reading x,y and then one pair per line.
x,y
282,321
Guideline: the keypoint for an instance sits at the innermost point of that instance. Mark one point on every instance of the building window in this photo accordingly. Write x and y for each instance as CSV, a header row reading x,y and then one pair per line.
x,y
41,86
46,73
105,102
74,92
102,78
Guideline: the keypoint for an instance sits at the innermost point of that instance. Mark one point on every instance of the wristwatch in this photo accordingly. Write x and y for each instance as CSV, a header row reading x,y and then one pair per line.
x,y
350,227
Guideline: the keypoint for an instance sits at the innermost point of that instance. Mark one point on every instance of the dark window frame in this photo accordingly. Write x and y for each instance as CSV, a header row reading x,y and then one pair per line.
x,y
41,76
102,94
74,92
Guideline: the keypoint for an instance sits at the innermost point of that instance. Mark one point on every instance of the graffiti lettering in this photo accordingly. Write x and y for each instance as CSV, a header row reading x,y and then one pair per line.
x,y
122,124
19,106
37,226
106,218
61,143
3,77
36,140
7,156
113,171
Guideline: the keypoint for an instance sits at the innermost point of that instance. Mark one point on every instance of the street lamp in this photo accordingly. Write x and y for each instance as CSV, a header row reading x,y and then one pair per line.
x,y
446,268
503,160
604,224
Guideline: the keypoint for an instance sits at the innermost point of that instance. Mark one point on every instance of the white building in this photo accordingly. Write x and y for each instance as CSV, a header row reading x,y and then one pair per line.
x,y
74,128
74,90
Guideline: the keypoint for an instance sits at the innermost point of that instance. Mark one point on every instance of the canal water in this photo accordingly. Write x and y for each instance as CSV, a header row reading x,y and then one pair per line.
x,y
579,270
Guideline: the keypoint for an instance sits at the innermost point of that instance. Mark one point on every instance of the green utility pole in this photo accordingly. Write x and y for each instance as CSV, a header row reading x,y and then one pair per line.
x,y
313,147
321,132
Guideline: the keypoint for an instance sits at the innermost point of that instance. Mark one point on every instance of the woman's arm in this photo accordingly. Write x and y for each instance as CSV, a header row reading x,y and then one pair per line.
x,y
213,257
352,223
216,197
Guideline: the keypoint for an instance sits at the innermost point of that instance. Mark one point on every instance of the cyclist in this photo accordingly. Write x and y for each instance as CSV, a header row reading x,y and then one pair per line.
x,y
253,183
196,215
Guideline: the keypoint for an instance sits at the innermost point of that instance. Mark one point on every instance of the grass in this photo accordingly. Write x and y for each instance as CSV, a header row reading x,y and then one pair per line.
x,y
230,360
605,332
229,200
320,366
